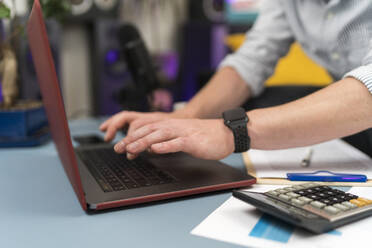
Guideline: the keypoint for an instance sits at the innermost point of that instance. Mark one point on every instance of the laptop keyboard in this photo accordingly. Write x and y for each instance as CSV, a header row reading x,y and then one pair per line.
x,y
114,172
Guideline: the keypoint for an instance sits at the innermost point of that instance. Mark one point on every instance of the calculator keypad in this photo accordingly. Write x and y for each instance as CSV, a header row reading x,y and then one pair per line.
x,y
320,199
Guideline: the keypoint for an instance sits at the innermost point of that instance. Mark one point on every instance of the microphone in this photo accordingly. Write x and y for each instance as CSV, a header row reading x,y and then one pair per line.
x,y
138,59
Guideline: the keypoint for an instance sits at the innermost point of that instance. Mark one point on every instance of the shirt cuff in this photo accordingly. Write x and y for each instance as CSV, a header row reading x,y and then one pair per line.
x,y
363,74
244,69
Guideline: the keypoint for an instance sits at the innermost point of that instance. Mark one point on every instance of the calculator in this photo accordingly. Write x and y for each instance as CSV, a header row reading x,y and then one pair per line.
x,y
313,206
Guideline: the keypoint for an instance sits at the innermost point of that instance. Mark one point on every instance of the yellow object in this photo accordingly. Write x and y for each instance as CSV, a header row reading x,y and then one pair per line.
x,y
296,68
358,202
366,201
234,41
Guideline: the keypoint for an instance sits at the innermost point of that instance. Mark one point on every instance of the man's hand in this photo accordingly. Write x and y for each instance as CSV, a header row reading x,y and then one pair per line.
x,y
206,139
135,120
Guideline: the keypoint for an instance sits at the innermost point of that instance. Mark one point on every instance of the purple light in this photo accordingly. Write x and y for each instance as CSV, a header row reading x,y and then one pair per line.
x,y
112,56
169,64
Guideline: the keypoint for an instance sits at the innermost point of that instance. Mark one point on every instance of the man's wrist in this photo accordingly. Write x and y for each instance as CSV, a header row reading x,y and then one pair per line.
x,y
185,112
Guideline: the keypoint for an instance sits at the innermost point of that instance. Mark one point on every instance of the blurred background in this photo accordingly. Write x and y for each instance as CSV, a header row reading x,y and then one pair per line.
x,y
186,40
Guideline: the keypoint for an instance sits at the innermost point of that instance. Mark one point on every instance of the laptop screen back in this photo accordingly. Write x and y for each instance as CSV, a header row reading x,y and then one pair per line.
x,y
52,98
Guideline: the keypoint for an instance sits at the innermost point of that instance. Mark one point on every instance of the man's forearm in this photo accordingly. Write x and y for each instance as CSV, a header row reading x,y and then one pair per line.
x,y
224,91
341,109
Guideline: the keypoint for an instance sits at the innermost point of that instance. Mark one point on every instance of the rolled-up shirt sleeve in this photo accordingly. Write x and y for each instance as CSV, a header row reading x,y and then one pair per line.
x,y
363,73
267,41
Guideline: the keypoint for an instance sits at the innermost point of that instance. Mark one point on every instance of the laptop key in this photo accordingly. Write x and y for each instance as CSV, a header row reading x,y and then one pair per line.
x,y
104,185
143,183
114,172
119,187
154,180
131,185
101,182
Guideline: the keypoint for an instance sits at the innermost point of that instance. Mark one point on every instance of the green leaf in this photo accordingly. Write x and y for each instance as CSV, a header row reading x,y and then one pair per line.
x,y
56,8
4,11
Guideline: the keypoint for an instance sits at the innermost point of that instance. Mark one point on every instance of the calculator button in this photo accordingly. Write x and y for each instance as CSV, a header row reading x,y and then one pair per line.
x,y
317,204
281,191
314,184
305,199
318,189
307,185
289,189
367,201
301,192
297,187
310,191
313,197
298,202
344,198
338,192
321,194
293,195
285,197
326,201
349,204
358,202
330,193
325,188
351,196
272,192
335,200
341,207
332,210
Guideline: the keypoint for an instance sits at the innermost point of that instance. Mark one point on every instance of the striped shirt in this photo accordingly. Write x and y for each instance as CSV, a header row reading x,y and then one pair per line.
x,y
337,34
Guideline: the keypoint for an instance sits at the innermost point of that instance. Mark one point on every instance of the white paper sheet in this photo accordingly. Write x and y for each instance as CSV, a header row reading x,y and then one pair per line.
x,y
240,223
336,156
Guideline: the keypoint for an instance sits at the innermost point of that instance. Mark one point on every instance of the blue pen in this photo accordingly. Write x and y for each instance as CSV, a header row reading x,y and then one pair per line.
x,y
326,176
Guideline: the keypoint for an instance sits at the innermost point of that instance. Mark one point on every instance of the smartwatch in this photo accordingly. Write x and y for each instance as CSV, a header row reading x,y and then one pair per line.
x,y
236,119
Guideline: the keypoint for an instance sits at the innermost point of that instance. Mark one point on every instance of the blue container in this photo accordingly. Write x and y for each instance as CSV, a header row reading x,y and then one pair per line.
x,y
241,11
22,122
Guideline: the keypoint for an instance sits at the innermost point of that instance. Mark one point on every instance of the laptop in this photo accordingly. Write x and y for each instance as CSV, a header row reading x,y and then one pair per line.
x,y
103,179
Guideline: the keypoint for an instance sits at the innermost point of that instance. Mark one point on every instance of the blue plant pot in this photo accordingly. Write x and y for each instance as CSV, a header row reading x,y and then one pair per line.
x,y
22,121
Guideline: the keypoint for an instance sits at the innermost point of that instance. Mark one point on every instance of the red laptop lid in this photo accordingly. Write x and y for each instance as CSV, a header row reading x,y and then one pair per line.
x,y
52,98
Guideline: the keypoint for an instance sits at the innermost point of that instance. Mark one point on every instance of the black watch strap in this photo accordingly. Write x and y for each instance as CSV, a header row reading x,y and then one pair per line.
x,y
236,119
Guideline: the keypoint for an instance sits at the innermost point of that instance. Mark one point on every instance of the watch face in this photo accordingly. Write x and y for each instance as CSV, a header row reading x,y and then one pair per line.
x,y
82,8
106,5
235,114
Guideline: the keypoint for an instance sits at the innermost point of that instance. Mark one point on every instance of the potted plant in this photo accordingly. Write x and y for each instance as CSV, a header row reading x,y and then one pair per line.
x,y
22,123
